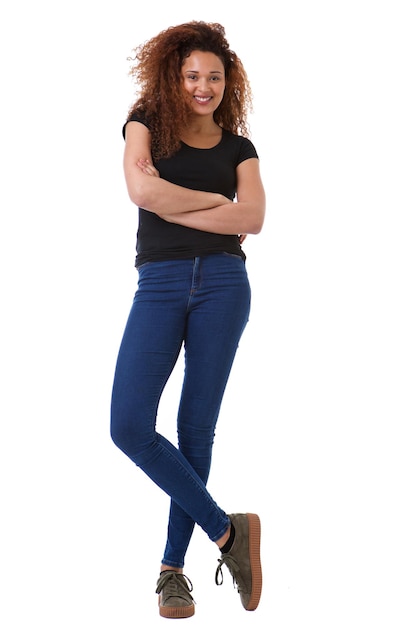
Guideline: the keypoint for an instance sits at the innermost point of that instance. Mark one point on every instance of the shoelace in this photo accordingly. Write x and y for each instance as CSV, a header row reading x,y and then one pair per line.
x,y
232,566
175,584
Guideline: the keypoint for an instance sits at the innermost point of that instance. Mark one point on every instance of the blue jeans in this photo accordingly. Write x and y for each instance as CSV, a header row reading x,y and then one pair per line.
x,y
202,303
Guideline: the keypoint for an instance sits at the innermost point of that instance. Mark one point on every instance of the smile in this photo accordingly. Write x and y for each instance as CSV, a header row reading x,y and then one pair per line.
x,y
201,99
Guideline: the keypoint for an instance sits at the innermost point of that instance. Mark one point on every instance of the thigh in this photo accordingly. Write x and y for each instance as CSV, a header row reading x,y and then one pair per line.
x,y
218,315
216,321
152,339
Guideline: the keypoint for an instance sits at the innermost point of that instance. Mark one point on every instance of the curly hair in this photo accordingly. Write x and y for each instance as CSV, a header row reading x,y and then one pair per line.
x,y
161,97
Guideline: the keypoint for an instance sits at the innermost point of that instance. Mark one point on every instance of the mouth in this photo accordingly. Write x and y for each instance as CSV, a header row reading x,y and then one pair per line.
x,y
202,100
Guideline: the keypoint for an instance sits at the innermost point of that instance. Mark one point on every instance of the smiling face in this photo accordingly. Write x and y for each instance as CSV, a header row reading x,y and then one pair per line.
x,y
204,80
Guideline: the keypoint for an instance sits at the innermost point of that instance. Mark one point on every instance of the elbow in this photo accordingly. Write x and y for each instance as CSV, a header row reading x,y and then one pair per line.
x,y
139,195
136,198
257,229
257,222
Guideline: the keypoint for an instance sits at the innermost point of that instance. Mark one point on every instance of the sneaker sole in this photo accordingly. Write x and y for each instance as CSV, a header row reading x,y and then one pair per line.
x,y
255,560
176,612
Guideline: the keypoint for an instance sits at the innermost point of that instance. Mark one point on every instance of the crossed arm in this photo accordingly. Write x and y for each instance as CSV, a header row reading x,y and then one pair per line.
x,y
211,212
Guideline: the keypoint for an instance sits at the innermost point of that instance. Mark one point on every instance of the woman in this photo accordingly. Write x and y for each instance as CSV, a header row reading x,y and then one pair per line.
x,y
194,174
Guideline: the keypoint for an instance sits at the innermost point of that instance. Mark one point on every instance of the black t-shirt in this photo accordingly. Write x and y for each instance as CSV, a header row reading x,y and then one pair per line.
x,y
211,169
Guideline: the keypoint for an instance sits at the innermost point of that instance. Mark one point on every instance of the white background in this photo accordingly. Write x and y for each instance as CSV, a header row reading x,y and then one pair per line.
x,y
317,431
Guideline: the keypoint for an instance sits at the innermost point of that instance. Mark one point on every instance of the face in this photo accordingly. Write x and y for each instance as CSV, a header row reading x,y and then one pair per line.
x,y
204,81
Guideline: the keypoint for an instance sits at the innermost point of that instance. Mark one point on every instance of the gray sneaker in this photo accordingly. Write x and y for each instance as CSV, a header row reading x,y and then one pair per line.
x,y
175,599
243,559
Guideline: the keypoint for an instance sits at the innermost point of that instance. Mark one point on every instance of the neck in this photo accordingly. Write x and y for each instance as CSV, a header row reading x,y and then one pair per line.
x,y
202,125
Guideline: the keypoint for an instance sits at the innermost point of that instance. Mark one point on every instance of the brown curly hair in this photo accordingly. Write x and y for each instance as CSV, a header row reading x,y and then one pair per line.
x,y
161,98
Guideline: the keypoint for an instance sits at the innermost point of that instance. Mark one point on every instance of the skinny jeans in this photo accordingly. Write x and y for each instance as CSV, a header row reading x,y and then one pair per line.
x,y
201,304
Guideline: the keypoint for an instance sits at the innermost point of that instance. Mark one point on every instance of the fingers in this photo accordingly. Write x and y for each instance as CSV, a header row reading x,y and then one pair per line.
x,y
147,168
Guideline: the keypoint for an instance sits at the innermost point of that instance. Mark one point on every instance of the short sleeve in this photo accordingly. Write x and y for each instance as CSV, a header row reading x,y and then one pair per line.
x,y
247,150
135,116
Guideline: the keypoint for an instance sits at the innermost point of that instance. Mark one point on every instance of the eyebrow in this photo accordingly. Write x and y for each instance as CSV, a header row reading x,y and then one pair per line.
x,y
211,71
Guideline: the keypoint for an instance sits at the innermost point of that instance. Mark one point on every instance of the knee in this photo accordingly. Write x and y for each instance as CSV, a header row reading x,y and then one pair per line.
x,y
130,434
120,435
124,429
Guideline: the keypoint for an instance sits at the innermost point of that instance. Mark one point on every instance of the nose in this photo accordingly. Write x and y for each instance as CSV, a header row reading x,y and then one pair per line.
x,y
203,85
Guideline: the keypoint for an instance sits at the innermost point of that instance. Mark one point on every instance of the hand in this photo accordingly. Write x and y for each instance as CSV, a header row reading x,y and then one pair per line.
x,y
147,168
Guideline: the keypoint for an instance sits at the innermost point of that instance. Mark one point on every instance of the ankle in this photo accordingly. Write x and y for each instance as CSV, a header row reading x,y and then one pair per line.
x,y
223,539
168,568
225,543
